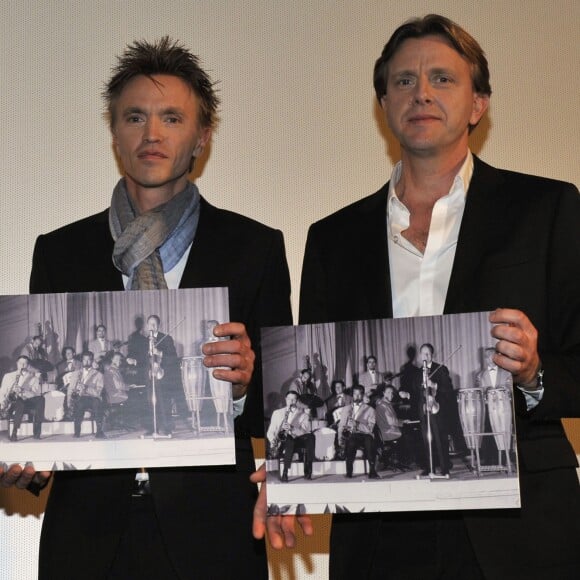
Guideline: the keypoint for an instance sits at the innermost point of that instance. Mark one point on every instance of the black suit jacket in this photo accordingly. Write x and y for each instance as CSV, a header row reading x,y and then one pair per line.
x,y
204,514
518,247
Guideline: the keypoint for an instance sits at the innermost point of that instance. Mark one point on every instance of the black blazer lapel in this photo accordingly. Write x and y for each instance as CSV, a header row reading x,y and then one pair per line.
x,y
483,225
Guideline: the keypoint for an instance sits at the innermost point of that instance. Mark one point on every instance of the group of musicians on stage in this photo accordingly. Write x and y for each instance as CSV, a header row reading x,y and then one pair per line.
x,y
415,424
101,380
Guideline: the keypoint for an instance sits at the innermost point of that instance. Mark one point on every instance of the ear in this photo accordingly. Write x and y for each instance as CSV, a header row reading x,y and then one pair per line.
x,y
115,144
480,105
383,102
202,141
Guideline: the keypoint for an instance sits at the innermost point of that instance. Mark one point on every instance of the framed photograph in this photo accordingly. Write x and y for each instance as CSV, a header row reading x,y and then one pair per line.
x,y
388,415
112,380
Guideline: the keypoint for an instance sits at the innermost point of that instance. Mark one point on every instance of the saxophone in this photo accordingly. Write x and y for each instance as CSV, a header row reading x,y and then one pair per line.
x,y
282,434
15,389
349,427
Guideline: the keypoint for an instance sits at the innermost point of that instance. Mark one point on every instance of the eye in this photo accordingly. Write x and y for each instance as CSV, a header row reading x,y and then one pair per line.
x,y
132,119
404,82
443,79
172,119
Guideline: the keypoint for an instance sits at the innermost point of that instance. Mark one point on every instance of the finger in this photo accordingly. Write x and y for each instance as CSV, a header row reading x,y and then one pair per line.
x,y
305,522
508,316
11,476
275,532
259,476
25,477
234,329
233,346
260,511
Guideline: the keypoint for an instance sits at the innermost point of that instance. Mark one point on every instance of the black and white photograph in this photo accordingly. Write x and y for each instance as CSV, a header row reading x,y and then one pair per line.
x,y
113,379
388,415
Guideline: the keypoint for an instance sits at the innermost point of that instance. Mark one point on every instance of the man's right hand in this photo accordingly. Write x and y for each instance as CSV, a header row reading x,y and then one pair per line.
x,y
21,477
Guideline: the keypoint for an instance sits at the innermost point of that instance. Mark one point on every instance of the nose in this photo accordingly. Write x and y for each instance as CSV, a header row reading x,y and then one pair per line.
x,y
422,93
151,132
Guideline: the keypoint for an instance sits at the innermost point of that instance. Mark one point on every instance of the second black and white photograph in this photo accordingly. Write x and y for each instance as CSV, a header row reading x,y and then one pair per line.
x,y
388,415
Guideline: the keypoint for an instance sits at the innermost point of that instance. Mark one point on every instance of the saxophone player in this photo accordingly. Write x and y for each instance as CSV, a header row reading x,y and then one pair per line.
x,y
20,393
290,429
355,431
85,387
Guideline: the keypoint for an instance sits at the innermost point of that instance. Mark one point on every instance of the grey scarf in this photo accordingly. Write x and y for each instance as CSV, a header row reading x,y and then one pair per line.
x,y
151,243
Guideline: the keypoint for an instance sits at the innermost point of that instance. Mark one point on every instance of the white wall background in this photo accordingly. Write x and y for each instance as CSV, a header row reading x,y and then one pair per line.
x,y
300,134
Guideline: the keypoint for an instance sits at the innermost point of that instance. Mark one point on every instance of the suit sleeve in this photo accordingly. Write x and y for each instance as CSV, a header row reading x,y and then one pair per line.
x,y
271,308
313,284
559,347
39,278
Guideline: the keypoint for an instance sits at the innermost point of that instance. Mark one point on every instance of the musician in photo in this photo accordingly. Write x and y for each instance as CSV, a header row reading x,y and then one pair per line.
x,y
491,376
164,377
304,385
101,345
34,350
447,399
356,431
336,402
84,394
68,364
371,378
114,383
19,394
137,354
388,421
290,429
436,382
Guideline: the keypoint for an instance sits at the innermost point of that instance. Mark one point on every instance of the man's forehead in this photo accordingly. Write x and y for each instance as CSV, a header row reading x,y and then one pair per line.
x,y
433,49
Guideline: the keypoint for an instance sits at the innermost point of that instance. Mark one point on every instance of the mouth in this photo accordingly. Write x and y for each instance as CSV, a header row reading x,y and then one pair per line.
x,y
151,154
419,119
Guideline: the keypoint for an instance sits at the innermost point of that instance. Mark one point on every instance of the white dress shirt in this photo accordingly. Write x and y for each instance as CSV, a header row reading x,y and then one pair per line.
x,y
419,282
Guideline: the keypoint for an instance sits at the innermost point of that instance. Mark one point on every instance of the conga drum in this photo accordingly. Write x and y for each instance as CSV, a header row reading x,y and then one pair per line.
x,y
499,407
193,375
471,415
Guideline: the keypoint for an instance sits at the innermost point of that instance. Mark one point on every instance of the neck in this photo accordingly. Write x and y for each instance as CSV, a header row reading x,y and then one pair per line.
x,y
427,179
148,198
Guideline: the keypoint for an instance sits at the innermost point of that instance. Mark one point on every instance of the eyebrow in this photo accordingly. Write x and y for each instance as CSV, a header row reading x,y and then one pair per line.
x,y
167,111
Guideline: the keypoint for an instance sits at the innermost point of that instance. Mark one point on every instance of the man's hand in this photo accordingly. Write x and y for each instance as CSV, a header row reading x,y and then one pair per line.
x,y
517,346
21,478
234,352
280,528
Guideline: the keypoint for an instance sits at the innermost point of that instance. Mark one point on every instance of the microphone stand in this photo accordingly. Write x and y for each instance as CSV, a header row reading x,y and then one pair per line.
x,y
153,378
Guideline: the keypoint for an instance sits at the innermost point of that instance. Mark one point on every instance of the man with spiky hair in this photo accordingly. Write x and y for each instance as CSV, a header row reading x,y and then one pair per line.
x,y
160,233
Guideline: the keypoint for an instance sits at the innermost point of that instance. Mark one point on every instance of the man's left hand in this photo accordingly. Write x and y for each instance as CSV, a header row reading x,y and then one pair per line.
x,y
233,351
281,529
517,346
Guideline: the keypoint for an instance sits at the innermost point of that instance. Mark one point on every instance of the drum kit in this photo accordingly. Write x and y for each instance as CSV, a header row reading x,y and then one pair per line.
x,y
472,403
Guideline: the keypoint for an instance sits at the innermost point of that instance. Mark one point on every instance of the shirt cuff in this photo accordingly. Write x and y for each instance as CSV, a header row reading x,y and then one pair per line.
x,y
532,397
239,406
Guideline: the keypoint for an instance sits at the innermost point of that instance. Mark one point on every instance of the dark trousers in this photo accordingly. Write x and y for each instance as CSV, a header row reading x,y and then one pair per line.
x,y
141,552
92,404
305,442
439,444
34,405
162,407
360,441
